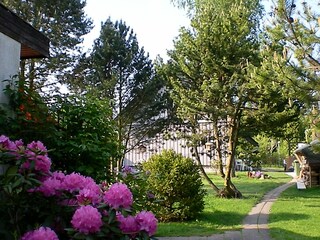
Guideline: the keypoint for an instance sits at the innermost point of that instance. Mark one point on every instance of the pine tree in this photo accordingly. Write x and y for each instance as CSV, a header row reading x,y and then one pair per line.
x,y
120,70
295,28
209,71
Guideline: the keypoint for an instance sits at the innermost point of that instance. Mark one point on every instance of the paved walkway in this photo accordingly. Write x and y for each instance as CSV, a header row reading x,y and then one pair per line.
x,y
255,225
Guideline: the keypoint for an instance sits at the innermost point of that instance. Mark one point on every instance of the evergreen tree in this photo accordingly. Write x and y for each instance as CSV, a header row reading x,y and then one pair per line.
x,y
118,69
295,29
209,71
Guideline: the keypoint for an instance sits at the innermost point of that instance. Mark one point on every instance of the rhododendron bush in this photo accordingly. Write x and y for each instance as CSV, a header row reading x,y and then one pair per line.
x,y
39,204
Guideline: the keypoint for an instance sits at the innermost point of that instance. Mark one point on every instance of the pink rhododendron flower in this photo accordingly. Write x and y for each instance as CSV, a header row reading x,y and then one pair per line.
x,y
74,182
92,185
88,192
87,219
58,175
50,187
127,170
36,146
18,143
43,233
6,144
118,195
128,225
147,222
88,196
42,163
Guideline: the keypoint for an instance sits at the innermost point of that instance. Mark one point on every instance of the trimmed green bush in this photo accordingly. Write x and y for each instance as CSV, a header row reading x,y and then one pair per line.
x,y
176,181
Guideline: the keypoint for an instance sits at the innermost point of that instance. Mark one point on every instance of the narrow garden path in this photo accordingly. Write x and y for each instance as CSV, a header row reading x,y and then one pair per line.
x,y
255,224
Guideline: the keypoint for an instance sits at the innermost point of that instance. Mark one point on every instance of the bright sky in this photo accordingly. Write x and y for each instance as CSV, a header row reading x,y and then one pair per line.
x,y
155,22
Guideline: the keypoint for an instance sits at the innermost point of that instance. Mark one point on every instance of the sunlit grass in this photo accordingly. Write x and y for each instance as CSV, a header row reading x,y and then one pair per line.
x,y
296,215
221,215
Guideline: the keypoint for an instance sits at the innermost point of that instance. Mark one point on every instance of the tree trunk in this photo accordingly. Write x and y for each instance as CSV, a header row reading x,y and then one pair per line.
x,y
218,146
203,172
229,190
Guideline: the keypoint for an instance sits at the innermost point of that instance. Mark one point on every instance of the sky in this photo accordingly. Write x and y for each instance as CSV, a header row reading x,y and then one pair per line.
x,y
155,22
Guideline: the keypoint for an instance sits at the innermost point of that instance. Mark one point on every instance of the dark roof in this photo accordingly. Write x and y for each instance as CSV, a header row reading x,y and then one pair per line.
x,y
311,157
33,43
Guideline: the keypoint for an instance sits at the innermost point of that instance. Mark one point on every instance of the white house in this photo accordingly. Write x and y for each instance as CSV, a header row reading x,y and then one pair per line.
x,y
18,40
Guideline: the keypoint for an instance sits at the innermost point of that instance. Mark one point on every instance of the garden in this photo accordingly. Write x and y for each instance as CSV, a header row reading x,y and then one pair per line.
x,y
249,71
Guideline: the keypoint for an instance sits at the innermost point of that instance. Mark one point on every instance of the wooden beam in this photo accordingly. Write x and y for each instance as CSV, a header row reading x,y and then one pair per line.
x,y
33,43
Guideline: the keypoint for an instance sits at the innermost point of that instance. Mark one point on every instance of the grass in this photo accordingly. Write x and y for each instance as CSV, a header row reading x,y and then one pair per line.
x,y
220,215
295,215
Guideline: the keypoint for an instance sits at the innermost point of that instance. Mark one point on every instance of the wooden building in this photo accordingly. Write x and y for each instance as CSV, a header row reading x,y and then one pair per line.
x,y
310,165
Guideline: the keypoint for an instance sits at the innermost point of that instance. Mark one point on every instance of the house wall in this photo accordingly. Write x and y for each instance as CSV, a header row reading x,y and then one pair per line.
x,y
179,145
136,156
9,62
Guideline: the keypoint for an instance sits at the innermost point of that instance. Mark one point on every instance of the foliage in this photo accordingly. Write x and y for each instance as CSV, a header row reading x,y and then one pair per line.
x,y
87,142
268,151
136,180
295,25
120,70
80,127
27,116
295,29
209,72
64,24
176,181
67,205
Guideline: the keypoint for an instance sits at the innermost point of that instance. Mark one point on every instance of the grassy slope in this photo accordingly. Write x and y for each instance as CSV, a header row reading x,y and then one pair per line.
x,y
296,215
221,215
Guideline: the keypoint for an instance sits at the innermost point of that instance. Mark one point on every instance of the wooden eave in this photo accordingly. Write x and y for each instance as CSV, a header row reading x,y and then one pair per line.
x,y
33,43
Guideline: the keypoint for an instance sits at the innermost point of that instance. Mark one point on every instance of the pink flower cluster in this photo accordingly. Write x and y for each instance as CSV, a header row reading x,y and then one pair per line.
x,y
127,170
85,188
40,234
143,221
34,152
92,202
6,144
87,219
118,196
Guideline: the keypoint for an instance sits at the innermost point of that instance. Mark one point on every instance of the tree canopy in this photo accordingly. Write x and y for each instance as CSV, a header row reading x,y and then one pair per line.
x,y
120,70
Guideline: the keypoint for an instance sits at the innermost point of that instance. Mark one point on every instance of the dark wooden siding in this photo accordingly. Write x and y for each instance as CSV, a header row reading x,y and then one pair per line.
x,y
33,43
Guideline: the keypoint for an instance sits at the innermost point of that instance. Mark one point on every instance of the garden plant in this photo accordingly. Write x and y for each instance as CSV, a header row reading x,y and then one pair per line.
x,y
176,182
36,203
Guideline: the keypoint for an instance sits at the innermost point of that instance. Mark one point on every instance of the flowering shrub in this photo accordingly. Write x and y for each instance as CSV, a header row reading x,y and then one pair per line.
x,y
118,196
40,234
63,205
87,219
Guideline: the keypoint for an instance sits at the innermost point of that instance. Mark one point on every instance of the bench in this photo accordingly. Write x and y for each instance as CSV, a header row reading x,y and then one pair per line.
x,y
301,185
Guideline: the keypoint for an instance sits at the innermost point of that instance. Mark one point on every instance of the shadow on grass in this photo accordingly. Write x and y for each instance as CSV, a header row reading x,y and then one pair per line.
x,y
207,223
281,234
294,193
221,218
285,216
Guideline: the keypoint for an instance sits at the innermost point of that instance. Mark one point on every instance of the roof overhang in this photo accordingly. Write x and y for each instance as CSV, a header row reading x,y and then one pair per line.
x,y
33,43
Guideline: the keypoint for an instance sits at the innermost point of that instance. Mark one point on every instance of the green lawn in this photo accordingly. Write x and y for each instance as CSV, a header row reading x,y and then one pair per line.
x,y
296,215
221,215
